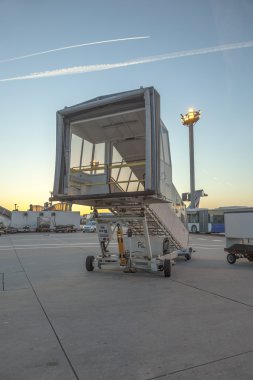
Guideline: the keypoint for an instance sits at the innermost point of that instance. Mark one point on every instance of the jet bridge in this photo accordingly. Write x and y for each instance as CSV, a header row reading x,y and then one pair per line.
x,y
113,152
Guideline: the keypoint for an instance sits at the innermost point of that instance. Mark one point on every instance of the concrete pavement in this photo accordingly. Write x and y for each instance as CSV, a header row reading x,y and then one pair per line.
x,y
60,322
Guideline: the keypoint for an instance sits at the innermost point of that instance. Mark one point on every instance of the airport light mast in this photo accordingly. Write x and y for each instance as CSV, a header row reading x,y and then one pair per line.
x,y
189,119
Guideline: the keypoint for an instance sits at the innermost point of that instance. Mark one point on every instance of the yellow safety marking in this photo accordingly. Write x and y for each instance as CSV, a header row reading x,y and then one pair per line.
x,y
121,246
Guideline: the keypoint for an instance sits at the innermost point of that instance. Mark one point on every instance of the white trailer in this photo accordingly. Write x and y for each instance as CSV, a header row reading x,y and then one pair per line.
x,y
239,234
31,219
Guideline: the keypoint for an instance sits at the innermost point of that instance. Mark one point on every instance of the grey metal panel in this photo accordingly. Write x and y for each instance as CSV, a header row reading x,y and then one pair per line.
x,y
102,101
67,155
105,108
153,141
105,200
165,186
172,222
152,105
148,181
59,168
127,124
239,224
156,139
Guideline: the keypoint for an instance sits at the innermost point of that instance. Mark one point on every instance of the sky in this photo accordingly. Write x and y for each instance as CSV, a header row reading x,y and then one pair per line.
x,y
195,53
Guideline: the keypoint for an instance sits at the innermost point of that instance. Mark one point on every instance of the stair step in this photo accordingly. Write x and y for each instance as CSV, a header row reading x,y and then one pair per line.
x,y
155,227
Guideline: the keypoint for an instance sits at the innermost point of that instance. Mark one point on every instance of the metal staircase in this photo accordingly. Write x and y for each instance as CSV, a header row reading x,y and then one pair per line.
x,y
154,224
157,227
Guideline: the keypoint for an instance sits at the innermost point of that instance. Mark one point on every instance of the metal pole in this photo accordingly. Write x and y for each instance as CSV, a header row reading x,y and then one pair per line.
x,y
147,239
192,174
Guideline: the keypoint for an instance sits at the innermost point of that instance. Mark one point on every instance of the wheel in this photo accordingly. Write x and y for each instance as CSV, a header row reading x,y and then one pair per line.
x,y
89,263
167,268
231,258
188,257
194,229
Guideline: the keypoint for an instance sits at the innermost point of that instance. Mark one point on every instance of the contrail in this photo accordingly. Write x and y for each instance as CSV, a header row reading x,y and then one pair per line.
x,y
73,47
107,66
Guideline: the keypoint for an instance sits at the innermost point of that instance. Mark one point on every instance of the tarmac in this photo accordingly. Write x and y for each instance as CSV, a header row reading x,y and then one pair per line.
x,y
59,321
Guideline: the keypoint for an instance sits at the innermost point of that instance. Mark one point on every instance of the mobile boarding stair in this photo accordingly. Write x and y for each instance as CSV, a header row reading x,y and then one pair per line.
x,y
144,241
113,152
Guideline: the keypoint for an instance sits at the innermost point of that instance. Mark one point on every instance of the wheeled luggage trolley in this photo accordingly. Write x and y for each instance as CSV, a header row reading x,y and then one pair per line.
x,y
239,234
239,251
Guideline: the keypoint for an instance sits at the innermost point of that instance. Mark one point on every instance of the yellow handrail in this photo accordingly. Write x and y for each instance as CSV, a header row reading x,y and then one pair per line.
x,y
107,183
77,169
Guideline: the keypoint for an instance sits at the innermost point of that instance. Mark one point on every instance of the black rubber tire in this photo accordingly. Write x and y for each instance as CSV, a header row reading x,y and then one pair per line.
x,y
194,229
89,263
188,256
167,268
231,259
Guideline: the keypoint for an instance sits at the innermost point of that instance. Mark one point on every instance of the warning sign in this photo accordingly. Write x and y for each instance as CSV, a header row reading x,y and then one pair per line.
x,y
104,231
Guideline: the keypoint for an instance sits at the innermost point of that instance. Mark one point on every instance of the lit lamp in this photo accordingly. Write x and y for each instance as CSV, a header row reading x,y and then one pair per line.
x,y
189,119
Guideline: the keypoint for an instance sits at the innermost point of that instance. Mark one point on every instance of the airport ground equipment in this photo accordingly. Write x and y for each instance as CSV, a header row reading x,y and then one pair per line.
x,y
239,234
113,152
136,238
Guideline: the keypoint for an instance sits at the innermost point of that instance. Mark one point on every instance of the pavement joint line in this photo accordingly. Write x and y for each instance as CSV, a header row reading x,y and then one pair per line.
x,y
2,281
49,244
16,271
27,248
208,246
213,293
15,289
52,245
46,315
200,365
211,247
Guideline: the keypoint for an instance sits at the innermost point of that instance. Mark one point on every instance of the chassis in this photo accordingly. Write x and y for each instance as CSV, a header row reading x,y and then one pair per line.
x,y
239,251
135,250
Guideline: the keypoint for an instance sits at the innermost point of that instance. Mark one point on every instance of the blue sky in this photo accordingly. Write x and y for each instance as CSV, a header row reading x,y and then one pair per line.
x,y
218,83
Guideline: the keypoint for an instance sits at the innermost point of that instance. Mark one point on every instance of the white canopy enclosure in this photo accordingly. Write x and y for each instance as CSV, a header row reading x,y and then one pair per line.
x,y
113,152
114,149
